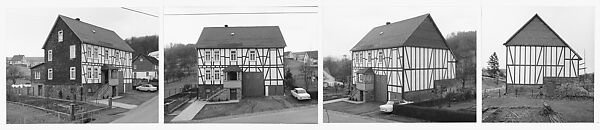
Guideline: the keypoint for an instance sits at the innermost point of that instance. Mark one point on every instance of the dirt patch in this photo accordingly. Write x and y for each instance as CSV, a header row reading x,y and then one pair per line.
x,y
18,114
368,109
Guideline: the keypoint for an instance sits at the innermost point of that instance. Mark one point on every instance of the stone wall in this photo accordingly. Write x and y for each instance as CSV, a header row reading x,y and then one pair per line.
x,y
557,87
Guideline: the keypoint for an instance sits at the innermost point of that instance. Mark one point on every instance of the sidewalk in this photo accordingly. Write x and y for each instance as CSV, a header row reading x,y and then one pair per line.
x,y
115,104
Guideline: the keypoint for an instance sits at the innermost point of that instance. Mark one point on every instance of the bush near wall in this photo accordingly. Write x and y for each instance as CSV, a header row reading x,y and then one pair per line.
x,y
434,114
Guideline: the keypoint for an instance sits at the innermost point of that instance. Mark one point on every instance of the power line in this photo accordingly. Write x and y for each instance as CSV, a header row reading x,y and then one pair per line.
x,y
242,13
139,12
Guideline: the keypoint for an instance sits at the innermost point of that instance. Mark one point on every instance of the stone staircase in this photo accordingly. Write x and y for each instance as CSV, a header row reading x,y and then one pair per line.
x,y
354,95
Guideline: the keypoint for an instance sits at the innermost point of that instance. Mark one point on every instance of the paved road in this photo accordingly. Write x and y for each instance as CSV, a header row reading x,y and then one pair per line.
x,y
301,115
145,113
330,116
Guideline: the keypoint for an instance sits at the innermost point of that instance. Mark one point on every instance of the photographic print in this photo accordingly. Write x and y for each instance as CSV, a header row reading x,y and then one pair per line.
x,y
540,64
241,64
82,65
399,64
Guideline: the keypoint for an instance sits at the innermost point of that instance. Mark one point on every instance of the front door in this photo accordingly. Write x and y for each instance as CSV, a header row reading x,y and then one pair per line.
x,y
233,94
39,92
113,91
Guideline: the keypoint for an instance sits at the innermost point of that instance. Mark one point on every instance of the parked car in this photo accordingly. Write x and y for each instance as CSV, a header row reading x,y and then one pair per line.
x,y
147,88
300,94
389,106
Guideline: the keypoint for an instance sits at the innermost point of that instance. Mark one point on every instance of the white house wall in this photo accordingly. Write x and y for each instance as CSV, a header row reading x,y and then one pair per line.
x,y
529,64
95,60
412,67
268,60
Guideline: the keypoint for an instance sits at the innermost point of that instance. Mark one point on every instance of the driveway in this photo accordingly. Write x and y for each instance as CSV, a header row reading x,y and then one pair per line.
x,y
251,105
145,113
367,110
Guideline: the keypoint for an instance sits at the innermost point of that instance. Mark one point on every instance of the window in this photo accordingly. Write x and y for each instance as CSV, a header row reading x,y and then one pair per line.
x,y
252,55
207,75
380,56
141,59
49,55
207,56
50,74
360,78
72,51
117,58
37,75
72,73
88,53
217,56
217,75
60,36
89,73
369,57
360,58
96,51
105,56
134,66
233,55
96,74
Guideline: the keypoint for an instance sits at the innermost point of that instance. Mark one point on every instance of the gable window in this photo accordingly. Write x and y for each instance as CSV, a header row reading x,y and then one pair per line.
x,y
60,36
380,56
217,56
50,76
72,73
252,55
233,55
217,75
207,75
49,55
207,56
72,51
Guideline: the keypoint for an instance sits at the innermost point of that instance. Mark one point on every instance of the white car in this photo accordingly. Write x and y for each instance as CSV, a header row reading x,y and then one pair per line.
x,y
147,87
300,94
389,106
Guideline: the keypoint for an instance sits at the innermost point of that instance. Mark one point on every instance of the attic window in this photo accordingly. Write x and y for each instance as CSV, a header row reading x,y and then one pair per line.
x,y
380,33
93,31
60,36
232,34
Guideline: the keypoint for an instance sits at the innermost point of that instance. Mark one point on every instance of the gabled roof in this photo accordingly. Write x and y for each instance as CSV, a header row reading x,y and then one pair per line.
x,y
95,35
419,31
149,58
38,65
241,37
537,33
17,58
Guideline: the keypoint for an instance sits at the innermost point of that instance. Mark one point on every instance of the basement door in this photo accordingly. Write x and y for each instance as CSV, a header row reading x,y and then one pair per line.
x,y
253,84
380,88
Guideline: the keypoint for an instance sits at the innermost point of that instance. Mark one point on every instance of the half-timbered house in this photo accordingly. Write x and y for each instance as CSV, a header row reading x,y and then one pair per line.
x,y
236,62
83,61
536,51
400,58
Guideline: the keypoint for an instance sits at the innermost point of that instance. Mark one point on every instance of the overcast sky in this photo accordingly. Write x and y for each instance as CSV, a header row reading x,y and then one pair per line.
x,y
300,30
575,25
344,26
27,28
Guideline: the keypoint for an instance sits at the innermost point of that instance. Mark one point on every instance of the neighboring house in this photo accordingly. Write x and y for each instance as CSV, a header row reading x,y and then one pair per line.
x,y
38,79
241,61
24,61
83,61
400,60
145,67
328,80
308,57
535,51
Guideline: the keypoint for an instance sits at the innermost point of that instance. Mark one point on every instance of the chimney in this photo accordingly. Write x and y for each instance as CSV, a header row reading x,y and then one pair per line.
x,y
77,19
387,23
226,25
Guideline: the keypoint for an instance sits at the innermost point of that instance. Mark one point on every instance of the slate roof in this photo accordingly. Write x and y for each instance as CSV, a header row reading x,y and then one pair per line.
x,y
418,31
149,58
537,33
95,35
17,58
241,37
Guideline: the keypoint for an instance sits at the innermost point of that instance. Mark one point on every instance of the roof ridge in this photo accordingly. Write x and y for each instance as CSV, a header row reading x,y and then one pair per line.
x,y
69,18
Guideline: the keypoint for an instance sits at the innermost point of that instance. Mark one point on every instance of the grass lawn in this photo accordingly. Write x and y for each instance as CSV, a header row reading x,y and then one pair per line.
x,y
136,97
17,114
175,87
251,105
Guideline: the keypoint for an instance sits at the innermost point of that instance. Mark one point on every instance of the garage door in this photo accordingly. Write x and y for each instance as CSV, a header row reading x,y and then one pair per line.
x,y
253,84
275,90
380,88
